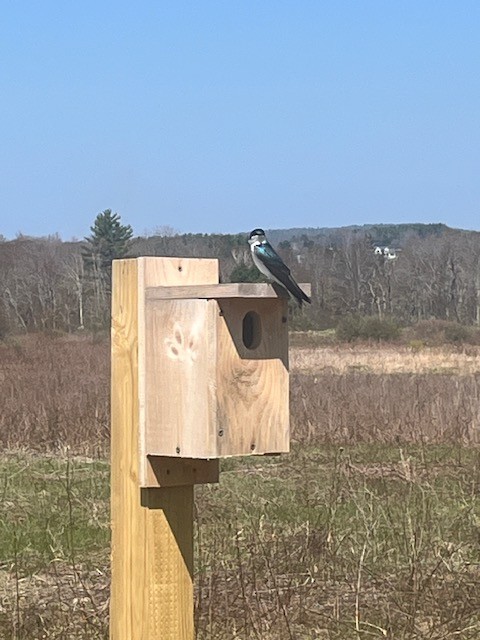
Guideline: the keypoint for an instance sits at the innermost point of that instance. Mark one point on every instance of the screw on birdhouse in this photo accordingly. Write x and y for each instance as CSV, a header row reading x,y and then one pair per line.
x,y
252,447
180,268
177,449
220,432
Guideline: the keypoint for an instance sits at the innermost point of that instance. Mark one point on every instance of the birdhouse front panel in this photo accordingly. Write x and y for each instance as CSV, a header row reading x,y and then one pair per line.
x,y
252,376
180,367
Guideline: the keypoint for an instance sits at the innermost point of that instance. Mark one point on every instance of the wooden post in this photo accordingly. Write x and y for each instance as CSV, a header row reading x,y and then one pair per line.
x,y
152,528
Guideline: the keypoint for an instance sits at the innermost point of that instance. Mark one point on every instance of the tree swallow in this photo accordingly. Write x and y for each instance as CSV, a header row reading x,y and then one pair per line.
x,y
268,261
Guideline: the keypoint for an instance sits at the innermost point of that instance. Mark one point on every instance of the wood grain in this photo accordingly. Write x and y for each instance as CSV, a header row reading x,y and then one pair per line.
x,y
175,472
152,529
180,368
219,291
207,394
161,272
253,385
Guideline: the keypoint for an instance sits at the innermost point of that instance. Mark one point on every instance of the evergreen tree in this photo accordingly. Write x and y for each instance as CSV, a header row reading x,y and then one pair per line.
x,y
110,239
244,273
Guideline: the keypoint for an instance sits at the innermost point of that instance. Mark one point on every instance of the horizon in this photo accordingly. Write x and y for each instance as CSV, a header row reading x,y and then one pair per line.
x,y
174,232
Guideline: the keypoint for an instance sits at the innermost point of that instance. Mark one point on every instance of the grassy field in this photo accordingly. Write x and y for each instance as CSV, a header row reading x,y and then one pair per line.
x,y
370,528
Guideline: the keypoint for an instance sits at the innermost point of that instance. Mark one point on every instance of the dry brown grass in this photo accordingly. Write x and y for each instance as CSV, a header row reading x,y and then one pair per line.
x,y
390,408
58,602
369,393
386,359
55,393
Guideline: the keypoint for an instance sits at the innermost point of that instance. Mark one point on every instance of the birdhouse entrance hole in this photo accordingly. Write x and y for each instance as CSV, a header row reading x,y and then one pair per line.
x,y
251,330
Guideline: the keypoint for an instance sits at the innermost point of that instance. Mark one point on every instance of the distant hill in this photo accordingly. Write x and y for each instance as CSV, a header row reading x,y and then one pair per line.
x,y
382,234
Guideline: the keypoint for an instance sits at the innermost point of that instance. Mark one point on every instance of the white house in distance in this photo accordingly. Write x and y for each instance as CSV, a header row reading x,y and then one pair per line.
x,y
385,252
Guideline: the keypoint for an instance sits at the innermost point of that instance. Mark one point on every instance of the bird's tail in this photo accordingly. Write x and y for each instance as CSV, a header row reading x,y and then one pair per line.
x,y
299,294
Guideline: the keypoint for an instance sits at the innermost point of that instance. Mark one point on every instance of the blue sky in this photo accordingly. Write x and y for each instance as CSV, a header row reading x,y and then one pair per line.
x,y
223,116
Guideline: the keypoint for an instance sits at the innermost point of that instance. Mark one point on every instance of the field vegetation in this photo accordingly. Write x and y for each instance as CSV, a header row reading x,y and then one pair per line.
x,y
370,528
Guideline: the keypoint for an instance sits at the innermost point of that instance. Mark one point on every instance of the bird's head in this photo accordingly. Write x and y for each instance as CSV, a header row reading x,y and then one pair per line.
x,y
257,235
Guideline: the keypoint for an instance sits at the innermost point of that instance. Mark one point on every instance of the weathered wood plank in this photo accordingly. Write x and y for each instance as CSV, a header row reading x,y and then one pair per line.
x,y
165,273
180,367
174,472
253,384
217,291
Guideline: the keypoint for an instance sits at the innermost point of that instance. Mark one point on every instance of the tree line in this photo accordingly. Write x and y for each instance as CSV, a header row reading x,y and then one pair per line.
x,y
50,285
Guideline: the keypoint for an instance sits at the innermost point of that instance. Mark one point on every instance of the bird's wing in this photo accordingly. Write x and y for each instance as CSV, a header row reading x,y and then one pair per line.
x,y
270,258
279,270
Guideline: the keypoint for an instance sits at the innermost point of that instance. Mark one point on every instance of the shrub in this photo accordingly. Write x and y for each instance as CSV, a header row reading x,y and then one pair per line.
x,y
457,333
434,333
367,328
349,328
376,329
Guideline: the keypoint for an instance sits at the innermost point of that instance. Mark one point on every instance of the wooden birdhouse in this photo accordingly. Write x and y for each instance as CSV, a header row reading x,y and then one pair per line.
x,y
212,363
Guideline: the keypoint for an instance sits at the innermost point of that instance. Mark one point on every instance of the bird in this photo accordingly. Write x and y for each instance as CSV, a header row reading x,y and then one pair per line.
x,y
268,262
